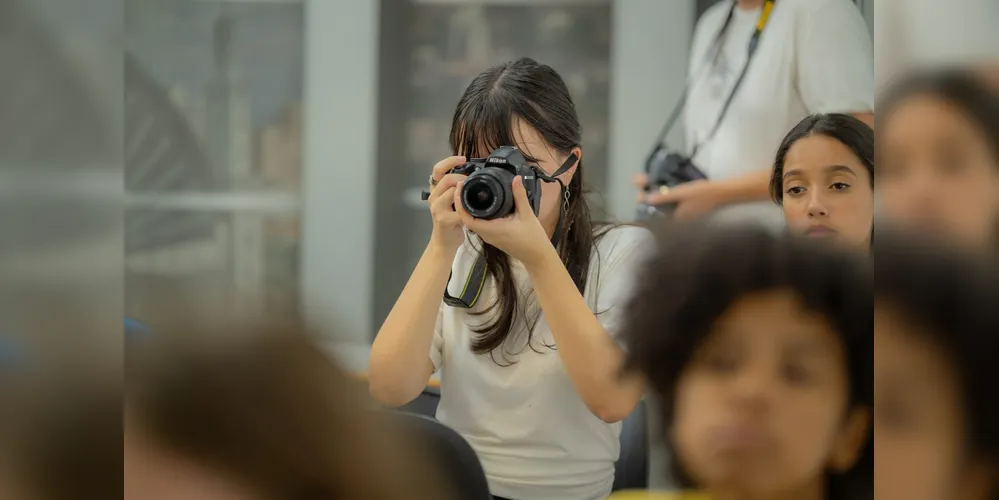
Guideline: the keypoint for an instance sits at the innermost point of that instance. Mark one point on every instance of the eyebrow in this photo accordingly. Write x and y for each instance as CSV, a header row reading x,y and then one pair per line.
x,y
831,169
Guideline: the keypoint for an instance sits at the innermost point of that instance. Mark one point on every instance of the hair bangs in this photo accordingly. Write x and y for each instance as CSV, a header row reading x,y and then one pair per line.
x,y
483,125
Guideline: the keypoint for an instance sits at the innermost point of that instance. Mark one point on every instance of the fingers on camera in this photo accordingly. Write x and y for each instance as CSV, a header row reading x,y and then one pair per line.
x,y
442,167
444,200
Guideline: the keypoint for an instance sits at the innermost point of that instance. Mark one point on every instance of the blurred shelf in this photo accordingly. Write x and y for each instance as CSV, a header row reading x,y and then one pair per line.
x,y
270,203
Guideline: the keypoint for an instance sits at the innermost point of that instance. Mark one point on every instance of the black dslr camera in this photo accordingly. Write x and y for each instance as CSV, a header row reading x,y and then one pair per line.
x,y
665,171
487,193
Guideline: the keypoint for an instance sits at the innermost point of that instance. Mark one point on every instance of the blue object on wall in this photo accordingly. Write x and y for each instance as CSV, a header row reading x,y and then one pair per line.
x,y
11,354
134,328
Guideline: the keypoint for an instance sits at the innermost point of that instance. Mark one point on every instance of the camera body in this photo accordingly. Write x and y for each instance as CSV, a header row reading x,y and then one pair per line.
x,y
488,191
667,170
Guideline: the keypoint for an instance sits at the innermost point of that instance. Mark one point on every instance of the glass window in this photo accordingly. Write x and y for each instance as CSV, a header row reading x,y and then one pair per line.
x,y
213,154
452,43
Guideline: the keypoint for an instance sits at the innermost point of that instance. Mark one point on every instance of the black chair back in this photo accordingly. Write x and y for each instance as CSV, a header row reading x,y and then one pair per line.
x,y
456,457
632,468
425,404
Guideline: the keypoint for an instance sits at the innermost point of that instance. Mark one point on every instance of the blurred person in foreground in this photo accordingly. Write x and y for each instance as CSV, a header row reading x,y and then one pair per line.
x,y
936,344
762,363
938,156
812,56
258,413
530,366
61,431
823,179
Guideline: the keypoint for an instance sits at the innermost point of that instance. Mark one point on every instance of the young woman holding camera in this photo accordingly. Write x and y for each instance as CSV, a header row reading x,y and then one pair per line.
x,y
529,372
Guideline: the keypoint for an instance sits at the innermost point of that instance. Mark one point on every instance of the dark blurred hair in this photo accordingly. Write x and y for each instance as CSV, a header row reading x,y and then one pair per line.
x,y
848,130
483,121
960,88
954,298
64,438
266,406
699,273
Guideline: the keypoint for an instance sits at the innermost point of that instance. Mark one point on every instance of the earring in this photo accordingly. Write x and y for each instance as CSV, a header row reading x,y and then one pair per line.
x,y
565,206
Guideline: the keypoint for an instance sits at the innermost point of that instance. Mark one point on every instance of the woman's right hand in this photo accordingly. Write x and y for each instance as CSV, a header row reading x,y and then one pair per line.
x,y
448,234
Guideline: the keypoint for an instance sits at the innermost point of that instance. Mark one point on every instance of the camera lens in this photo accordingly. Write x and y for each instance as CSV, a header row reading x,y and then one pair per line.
x,y
487,194
479,197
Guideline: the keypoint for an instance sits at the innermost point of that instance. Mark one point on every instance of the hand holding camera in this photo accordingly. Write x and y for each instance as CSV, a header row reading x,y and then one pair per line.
x,y
447,234
493,197
488,194
660,190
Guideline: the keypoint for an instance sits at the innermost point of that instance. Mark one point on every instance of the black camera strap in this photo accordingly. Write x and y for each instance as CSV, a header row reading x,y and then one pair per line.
x,y
713,54
476,279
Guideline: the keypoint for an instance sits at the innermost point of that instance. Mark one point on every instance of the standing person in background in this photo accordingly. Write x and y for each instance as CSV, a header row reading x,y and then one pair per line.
x,y
812,56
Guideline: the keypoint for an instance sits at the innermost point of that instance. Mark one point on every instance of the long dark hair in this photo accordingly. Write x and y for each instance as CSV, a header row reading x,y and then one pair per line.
x,y
849,131
527,90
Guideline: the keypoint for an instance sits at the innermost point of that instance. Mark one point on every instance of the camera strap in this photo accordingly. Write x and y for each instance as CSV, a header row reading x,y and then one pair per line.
x,y
714,52
476,279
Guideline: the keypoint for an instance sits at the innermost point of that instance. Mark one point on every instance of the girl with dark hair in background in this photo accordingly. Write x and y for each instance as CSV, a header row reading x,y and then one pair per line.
x,y
762,363
938,150
529,373
823,179
936,415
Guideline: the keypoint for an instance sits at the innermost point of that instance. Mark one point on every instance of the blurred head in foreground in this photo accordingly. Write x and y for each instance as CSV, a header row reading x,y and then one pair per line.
x,y
260,414
938,156
936,341
759,347
61,435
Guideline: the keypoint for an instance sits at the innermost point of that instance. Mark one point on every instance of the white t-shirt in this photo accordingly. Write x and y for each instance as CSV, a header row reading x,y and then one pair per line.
x,y
814,56
533,433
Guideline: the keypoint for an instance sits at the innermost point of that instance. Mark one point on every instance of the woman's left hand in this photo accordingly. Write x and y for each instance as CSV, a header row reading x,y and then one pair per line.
x,y
519,234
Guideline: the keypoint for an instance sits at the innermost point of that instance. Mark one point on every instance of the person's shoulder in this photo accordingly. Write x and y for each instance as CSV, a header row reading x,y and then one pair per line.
x,y
627,238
